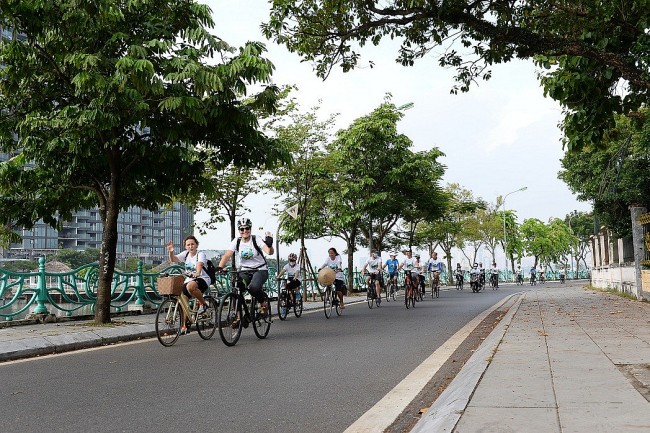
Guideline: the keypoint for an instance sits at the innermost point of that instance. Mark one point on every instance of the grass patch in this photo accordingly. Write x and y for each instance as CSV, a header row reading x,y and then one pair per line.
x,y
612,291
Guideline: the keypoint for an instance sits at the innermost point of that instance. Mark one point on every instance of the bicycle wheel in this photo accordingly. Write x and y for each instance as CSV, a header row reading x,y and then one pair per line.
x,y
230,326
407,301
413,295
206,326
369,298
338,306
327,302
387,292
437,290
283,310
297,306
261,322
168,322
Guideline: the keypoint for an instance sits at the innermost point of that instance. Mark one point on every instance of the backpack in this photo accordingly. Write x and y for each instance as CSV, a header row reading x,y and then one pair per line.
x,y
211,271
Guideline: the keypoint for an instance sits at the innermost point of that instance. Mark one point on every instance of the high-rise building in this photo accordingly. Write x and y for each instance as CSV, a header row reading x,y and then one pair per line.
x,y
141,233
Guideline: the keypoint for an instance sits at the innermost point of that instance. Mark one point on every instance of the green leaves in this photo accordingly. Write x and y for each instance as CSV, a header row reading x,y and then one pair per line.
x,y
598,50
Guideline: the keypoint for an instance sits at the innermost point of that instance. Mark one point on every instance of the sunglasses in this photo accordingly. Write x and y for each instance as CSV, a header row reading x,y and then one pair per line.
x,y
243,229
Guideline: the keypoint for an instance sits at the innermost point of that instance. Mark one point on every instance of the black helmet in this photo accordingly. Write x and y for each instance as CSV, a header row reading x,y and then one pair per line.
x,y
293,256
244,222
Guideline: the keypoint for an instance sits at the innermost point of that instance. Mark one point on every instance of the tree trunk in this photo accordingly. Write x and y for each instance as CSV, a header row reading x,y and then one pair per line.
x,y
450,276
109,215
350,248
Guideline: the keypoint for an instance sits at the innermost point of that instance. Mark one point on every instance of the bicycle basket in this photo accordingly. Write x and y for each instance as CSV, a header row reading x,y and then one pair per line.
x,y
170,285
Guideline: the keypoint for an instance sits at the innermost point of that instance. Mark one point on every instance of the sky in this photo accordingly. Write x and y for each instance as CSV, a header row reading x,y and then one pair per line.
x,y
499,137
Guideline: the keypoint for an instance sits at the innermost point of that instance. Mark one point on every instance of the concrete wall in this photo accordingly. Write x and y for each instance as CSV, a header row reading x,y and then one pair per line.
x,y
621,278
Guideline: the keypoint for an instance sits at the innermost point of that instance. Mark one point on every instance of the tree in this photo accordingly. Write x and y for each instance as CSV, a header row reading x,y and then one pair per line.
x,y
74,258
301,182
229,186
581,225
614,176
447,231
112,116
513,244
491,230
547,243
590,48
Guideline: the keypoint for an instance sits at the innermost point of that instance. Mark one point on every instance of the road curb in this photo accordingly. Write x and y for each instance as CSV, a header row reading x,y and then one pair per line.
x,y
446,411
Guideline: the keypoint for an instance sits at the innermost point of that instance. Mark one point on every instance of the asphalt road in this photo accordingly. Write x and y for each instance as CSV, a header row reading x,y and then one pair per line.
x,y
311,374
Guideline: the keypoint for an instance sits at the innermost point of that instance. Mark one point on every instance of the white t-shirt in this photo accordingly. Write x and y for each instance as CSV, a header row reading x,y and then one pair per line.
x,y
292,271
335,264
408,264
372,265
433,265
190,264
494,270
247,255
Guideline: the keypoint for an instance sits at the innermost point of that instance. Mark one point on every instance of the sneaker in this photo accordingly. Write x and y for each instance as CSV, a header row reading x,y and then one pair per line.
x,y
202,309
262,311
185,330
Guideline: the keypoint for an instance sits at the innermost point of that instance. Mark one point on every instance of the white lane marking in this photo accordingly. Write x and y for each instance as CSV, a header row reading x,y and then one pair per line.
x,y
379,417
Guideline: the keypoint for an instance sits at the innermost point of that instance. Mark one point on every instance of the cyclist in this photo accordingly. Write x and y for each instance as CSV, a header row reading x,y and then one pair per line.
x,y
374,273
481,278
197,279
520,274
494,275
475,276
252,263
533,274
434,267
392,266
292,270
542,275
334,262
459,275
562,273
409,265
418,274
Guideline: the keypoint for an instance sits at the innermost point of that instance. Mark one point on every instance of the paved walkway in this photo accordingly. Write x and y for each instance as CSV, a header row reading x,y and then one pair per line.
x,y
562,360
25,341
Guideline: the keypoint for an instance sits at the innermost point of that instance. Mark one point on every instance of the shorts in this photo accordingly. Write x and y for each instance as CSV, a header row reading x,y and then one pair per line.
x,y
339,286
203,286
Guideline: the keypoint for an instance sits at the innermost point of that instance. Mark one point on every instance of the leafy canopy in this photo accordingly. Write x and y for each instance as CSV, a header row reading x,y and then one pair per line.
x,y
592,49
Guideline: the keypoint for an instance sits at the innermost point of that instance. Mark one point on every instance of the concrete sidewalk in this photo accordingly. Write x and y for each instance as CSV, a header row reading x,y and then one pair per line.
x,y
26,341
562,360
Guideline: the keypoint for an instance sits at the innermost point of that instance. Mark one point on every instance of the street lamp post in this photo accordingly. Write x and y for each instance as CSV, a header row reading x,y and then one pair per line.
x,y
505,239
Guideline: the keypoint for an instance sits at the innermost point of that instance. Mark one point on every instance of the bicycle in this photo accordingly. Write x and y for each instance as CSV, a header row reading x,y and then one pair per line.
x,y
391,289
409,291
494,281
286,301
435,285
371,292
419,288
460,280
330,301
234,314
533,281
168,316
520,280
